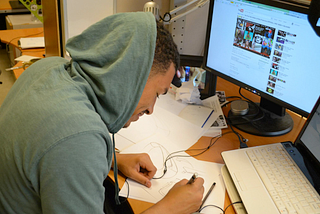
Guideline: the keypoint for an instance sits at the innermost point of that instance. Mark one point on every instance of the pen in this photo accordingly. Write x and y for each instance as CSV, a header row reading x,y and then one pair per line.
x,y
207,195
207,119
194,176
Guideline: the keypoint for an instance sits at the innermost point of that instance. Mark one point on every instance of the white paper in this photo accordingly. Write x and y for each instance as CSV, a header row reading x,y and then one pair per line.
x,y
26,58
212,132
163,124
31,42
176,107
169,103
160,134
178,168
201,116
213,102
188,93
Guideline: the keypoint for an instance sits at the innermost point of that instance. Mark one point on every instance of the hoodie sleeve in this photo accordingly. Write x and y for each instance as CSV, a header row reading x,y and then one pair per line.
x,y
72,174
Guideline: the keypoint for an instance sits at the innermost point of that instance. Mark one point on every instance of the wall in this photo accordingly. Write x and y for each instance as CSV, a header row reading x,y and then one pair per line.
x,y
137,5
78,21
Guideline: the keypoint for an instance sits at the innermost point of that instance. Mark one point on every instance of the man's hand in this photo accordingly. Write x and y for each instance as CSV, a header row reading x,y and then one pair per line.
x,y
183,198
138,167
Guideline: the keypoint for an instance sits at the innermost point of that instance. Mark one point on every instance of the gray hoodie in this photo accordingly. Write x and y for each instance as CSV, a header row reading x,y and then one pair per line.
x,y
55,148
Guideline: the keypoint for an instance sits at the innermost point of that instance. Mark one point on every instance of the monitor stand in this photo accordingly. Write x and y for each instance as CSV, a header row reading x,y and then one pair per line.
x,y
270,125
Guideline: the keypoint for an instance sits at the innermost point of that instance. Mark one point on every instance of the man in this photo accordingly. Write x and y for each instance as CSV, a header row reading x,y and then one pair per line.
x,y
55,147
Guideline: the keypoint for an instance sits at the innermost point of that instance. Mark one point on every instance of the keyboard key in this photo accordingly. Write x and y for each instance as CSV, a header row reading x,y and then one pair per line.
x,y
290,207
283,211
309,210
315,206
304,203
299,209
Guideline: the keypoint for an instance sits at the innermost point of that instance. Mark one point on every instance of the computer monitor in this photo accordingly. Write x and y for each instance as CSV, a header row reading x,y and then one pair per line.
x,y
269,48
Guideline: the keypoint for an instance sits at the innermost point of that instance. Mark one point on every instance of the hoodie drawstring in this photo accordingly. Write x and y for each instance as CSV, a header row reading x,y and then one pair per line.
x,y
115,172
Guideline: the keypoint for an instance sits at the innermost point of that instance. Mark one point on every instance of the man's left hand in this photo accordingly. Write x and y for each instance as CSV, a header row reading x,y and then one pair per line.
x,y
138,167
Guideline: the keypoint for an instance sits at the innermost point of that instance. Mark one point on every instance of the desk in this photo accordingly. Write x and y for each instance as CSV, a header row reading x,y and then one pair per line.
x,y
227,142
12,36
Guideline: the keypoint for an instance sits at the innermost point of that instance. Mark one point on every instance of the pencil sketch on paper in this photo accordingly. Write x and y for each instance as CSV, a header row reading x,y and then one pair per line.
x,y
146,127
180,166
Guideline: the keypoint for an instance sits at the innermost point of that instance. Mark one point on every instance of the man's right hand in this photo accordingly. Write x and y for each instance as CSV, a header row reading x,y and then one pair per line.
x,y
183,198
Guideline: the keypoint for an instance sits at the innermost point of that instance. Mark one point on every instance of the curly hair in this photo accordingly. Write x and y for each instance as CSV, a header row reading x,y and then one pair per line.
x,y
166,51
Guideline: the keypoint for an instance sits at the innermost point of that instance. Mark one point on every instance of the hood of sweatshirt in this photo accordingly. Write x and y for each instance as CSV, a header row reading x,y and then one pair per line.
x,y
111,61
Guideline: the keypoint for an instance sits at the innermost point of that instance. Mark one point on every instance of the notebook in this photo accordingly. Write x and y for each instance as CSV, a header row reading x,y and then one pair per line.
x,y
297,184
31,42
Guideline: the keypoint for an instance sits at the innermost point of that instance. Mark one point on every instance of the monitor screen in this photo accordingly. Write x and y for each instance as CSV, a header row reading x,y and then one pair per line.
x,y
268,48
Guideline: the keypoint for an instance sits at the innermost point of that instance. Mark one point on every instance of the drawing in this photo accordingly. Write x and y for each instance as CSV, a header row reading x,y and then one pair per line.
x,y
181,166
158,154
159,136
151,126
165,189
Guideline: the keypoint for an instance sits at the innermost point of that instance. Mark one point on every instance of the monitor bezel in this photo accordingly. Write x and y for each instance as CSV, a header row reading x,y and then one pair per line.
x,y
302,8
311,162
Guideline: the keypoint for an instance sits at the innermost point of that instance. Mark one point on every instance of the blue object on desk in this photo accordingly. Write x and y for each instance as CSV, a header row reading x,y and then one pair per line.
x,y
187,71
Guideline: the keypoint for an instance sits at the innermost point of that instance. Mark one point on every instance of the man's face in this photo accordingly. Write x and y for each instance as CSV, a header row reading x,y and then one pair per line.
x,y
155,86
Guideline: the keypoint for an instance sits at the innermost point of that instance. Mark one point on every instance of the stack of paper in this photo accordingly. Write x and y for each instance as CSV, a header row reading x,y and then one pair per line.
x,y
208,115
31,42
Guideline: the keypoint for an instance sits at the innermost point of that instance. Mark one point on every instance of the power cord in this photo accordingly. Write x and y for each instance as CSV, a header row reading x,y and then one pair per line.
x,y
166,17
243,141
256,106
7,45
125,198
223,210
257,115
247,117
227,102
203,150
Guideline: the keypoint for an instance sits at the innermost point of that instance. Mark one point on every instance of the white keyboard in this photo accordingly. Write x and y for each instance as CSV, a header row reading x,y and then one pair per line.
x,y
286,184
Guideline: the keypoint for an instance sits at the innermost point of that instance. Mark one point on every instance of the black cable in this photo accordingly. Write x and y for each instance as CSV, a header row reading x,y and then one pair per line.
x,y
164,16
21,37
171,155
242,140
257,107
223,210
211,206
127,192
227,102
231,97
246,100
126,198
203,150
237,202
248,118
